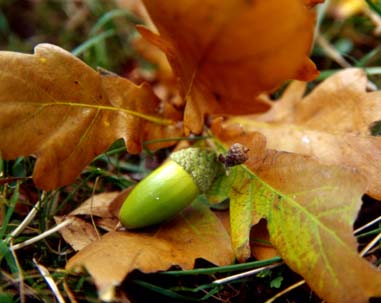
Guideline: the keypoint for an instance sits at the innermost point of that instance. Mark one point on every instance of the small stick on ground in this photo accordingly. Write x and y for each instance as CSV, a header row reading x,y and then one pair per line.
x,y
50,281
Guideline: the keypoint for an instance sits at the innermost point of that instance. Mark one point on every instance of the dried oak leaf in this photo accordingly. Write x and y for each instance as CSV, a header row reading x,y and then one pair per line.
x,y
331,123
89,218
225,53
310,208
79,233
195,233
57,108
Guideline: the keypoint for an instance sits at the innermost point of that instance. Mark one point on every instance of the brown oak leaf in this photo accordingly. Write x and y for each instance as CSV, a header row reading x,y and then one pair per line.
x,y
57,108
331,123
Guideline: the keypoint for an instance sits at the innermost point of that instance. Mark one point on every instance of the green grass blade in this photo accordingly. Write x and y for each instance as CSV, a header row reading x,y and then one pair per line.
x,y
10,210
112,15
80,49
223,269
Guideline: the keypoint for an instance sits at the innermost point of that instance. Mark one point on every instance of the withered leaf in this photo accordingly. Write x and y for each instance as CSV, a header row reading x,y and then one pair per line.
x,y
79,233
91,216
331,123
195,233
225,53
58,109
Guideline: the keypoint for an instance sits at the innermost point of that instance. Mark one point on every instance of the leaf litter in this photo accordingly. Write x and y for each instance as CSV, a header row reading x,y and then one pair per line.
x,y
309,203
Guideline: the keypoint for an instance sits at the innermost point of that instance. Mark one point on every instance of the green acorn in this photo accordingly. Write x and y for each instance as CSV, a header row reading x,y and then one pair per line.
x,y
170,188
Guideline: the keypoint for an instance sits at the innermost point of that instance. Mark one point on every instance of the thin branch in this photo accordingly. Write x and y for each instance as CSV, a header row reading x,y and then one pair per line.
x,y
50,281
331,52
43,235
284,291
29,218
370,245
20,273
378,219
246,274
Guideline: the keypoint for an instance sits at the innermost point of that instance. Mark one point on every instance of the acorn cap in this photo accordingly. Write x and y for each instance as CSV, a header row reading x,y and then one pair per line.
x,y
201,164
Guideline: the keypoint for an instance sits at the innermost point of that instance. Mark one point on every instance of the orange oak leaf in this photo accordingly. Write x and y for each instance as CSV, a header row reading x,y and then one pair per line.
x,y
55,107
331,123
195,233
225,53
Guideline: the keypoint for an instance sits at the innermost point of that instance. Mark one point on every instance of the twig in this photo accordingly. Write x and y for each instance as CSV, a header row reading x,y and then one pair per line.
x,y
29,218
69,293
12,179
284,291
376,19
378,219
49,280
20,273
331,52
246,273
43,235
370,245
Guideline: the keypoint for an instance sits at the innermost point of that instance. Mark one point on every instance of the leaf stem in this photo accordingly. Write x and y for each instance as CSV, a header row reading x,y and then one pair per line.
x,y
195,138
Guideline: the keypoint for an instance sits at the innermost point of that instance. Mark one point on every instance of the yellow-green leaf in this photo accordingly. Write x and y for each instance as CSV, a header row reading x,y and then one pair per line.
x,y
310,209
310,219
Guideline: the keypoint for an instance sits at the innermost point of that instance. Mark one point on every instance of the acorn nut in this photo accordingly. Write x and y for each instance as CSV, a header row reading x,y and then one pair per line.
x,y
170,188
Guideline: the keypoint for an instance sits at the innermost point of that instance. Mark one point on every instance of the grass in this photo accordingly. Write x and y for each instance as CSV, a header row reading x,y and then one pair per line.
x,y
104,39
